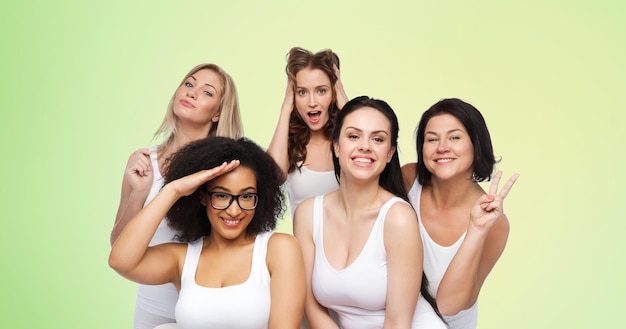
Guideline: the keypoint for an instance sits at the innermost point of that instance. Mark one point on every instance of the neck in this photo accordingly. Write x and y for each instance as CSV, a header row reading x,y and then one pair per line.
x,y
358,197
448,193
217,242
318,137
185,134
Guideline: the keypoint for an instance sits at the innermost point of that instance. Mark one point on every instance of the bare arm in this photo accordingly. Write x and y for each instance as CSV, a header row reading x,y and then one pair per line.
x,y
288,285
279,145
130,255
317,316
136,185
404,265
483,245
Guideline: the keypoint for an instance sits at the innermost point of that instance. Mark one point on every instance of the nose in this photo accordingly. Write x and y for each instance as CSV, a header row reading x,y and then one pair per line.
x,y
234,209
312,101
191,92
443,146
364,144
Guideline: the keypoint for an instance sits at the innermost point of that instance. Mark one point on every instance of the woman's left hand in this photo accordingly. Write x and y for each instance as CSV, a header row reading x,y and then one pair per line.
x,y
489,207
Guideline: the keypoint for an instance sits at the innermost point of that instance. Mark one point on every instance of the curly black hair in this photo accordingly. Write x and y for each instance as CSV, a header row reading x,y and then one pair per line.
x,y
188,217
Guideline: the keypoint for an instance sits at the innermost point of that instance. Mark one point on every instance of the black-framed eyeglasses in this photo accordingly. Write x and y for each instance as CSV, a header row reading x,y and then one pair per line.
x,y
223,200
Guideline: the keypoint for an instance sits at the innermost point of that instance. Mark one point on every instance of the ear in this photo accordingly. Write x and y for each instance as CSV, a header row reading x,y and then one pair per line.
x,y
203,199
335,149
216,118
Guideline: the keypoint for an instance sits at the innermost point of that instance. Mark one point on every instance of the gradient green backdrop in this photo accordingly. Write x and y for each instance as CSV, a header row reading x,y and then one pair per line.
x,y
85,83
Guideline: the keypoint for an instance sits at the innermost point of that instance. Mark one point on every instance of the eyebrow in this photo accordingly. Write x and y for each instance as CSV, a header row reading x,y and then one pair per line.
x,y
206,84
224,189
373,132
447,132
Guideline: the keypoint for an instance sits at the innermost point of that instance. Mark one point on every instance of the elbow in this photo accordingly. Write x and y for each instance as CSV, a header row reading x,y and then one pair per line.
x,y
451,309
116,262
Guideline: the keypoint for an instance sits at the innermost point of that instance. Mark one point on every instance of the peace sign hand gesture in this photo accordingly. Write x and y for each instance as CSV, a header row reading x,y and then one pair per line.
x,y
486,211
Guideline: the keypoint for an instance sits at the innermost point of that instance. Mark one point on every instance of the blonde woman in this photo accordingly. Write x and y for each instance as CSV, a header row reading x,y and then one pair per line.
x,y
204,104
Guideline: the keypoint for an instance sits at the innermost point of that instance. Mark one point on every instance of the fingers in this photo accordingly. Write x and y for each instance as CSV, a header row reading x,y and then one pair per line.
x,y
141,164
221,169
493,189
507,187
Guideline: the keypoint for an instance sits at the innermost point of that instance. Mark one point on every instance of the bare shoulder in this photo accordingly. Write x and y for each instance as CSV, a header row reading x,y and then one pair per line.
x,y
281,241
282,249
302,216
409,173
401,219
500,230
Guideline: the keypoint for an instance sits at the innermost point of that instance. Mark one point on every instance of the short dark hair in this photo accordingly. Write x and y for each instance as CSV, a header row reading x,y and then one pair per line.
x,y
391,177
474,123
188,216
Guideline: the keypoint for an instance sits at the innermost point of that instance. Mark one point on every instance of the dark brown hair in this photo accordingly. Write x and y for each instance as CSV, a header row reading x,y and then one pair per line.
x,y
299,134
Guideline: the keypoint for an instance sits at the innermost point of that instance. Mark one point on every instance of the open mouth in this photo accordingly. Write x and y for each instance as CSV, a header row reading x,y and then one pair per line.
x,y
314,116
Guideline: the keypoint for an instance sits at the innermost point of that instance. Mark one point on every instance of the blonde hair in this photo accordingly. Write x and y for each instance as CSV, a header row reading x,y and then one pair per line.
x,y
229,124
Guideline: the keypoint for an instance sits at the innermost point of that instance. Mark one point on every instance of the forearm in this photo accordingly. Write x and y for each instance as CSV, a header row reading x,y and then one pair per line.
x,y
460,285
279,145
318,317
128,209
133,241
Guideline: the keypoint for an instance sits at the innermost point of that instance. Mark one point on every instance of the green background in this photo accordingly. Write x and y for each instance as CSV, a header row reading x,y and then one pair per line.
x,y
85,83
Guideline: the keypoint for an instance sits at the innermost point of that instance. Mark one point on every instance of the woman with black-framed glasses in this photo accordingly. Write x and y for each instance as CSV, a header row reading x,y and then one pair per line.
x,y
223,198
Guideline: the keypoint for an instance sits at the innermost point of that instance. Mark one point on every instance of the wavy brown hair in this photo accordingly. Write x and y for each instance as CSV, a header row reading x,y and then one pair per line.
x,y
299,133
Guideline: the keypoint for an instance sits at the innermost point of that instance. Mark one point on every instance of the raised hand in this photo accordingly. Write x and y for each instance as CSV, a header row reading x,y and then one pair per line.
x,y
289,95
139,172
342,97
187,185
489,207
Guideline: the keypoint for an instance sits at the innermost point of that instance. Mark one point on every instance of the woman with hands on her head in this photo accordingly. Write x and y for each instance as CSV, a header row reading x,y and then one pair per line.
x,y
361,243
301,141
223,198
464,230
204,104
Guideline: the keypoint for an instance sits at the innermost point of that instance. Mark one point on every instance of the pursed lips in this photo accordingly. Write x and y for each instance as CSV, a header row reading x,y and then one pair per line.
x,y
186,103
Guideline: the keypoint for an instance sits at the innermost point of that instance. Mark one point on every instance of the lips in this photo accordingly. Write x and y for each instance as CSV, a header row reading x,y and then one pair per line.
x,y
366,161
314,116
231,222
444,160
186,103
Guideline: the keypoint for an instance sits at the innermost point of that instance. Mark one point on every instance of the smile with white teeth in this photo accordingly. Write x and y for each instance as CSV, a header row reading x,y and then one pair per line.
x,y
231,221
363,160
443,160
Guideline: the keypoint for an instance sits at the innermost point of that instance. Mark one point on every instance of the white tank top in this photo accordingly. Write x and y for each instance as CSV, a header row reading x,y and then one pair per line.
x,y
437,258
358,293
158,299
246,305
305,183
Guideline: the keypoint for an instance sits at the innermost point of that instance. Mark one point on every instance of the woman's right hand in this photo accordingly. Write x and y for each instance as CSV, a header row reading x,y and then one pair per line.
x,y
187,185
139,172
289,95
